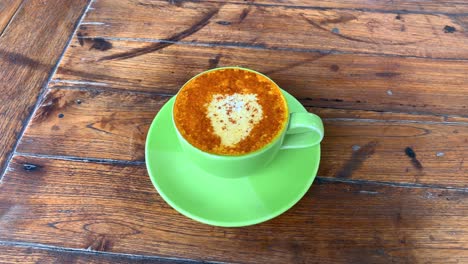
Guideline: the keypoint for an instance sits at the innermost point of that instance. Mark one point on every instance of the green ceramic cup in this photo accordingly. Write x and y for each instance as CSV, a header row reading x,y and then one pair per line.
x,y
303,130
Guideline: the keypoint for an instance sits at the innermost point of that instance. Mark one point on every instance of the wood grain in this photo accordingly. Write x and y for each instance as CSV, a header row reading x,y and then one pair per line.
x,y
103,124
402,6
327,80
389,79
31,254
8,8
114,208
383,116
420,35
29,51
84,121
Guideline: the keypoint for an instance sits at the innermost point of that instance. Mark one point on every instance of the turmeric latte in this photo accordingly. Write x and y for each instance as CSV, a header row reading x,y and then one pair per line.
x,y
230,111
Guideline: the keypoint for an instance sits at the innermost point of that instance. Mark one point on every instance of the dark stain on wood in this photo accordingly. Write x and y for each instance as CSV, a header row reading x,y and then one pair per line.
x,y
46,108
20,59
387,74
296,249
342,18
53,103
154,5
213,62
91,126
105,124
331,100
29,250
380,252
31,167
109,120
449,29
259,45
357,159
244,14
411,154
223,23
398,17
398,218
66,211
80,36
460,166
151,5
177,3
55,128
100,44
170,41
403,241
334,68
452,196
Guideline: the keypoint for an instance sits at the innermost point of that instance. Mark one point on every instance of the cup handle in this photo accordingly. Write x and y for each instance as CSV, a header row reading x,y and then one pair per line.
x,y
304,130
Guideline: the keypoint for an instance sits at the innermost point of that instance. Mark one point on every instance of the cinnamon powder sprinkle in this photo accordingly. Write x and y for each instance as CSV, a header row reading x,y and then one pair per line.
x,y
192,118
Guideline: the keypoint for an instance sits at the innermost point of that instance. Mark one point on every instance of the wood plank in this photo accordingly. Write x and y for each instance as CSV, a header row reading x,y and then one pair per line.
x,y
31,254
420,35
327,80
114,208
8,8
29,51
382,116
403,6
358,144
118,125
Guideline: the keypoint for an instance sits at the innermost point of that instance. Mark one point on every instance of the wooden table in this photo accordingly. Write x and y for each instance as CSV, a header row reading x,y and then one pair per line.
x,y
389,79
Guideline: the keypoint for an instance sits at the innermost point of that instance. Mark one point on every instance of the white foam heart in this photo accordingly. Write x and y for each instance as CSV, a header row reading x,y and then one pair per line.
x,y
234,116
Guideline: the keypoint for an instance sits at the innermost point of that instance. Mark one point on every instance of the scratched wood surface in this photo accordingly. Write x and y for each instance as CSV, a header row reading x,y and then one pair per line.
x,y
320,79
113,208
410,34
389,79
29,49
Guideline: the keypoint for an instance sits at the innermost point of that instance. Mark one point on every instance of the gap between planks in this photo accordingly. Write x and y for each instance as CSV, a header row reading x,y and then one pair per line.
x,y
43,91
100,253
318,178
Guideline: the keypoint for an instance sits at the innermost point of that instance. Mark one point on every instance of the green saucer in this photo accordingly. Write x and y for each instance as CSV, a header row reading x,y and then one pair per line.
x,y
219,201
